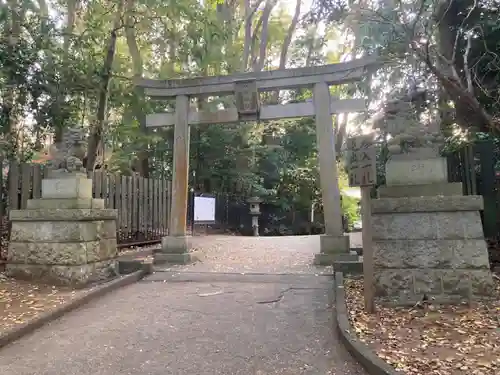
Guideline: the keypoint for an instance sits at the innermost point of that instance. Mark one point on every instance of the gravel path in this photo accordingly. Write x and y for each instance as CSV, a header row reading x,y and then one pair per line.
x,y
260,324
293,254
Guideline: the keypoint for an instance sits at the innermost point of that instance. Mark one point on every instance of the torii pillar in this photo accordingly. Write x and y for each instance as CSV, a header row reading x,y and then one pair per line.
x,y
333,244
175,247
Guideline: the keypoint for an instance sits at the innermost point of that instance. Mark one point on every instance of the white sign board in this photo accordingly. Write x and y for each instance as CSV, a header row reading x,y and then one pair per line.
x,y
204,209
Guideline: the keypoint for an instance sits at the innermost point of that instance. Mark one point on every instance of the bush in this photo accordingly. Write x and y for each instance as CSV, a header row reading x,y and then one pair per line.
x,y
350,210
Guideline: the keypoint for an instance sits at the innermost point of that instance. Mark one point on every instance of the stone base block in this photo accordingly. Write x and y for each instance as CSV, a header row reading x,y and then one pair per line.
x,y
175,245
445,204
399,171
402,286
177,258
43,203
323,259
56,214
431,254
69,188
354,267
176,250
334,244
428,226
62,253
426,190
62,231
64,275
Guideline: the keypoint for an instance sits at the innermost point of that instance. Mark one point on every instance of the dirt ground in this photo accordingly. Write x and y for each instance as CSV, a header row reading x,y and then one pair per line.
x,y
431,339
21,301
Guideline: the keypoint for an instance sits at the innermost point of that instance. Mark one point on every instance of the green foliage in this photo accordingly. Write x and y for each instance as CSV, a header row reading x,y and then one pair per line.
x,y
53,76
350,209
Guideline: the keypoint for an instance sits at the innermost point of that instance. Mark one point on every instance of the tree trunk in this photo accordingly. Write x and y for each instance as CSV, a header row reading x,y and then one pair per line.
x,y
259,65
463,99
286,45
253,43
445,38
61,89
10,99
225,14
248,37
289,35
311,45
95,141
137,105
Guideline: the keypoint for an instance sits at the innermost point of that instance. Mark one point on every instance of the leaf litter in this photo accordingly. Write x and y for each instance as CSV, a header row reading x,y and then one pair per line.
x,y
21,301
430,339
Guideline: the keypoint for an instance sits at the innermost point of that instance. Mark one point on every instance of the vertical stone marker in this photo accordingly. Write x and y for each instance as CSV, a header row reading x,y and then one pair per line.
x,y
362,166
427,237
66,237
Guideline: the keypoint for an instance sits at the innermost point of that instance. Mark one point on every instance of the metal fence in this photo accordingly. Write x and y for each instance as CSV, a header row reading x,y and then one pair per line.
x,y
231,212
232,215
475,166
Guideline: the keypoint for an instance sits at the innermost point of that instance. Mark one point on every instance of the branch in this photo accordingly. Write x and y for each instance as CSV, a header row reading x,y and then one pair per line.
x,y
457,37
253,10
467,72
455,89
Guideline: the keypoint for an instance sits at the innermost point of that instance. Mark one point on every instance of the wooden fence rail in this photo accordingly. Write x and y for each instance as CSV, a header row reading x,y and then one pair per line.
x,y
143,204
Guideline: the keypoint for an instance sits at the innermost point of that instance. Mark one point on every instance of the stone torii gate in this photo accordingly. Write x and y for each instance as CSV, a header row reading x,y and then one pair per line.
x,y
246,88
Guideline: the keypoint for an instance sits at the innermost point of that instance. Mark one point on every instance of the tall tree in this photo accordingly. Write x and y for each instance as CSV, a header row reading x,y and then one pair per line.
x,y
95,141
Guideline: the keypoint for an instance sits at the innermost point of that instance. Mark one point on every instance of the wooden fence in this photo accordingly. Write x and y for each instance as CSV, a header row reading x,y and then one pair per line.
x,y
143,204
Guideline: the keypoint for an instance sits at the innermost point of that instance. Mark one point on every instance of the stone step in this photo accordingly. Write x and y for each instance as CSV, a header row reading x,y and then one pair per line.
x,y
177,258
455,203
349,267
328,259
422,190
126,266
357,250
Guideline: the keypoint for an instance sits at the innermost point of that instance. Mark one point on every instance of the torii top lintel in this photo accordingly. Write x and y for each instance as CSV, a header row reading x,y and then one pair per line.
x,y
333,74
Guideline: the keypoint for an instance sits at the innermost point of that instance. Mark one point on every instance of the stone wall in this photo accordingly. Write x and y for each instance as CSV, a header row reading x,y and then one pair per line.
x,y
430,246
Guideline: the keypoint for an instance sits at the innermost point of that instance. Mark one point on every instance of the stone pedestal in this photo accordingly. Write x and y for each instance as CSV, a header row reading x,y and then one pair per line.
x,y
427,237
334,248
419,168
64,238
176,250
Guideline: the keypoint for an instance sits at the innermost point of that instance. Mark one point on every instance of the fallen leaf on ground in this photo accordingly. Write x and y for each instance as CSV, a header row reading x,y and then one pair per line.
x,y
437,340
21,301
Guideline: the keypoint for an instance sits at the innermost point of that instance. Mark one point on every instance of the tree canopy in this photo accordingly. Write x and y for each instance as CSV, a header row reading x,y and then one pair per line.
x,y
74,62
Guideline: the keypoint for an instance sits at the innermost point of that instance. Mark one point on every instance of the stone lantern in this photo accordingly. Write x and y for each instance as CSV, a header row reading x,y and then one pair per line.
x,y
254,203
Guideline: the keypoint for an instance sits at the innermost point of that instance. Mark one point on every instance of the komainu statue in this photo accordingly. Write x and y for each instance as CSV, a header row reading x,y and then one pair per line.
x,y
68,155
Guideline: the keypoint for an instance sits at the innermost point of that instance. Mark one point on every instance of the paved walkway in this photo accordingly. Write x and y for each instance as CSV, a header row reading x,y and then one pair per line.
x,y
264,311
